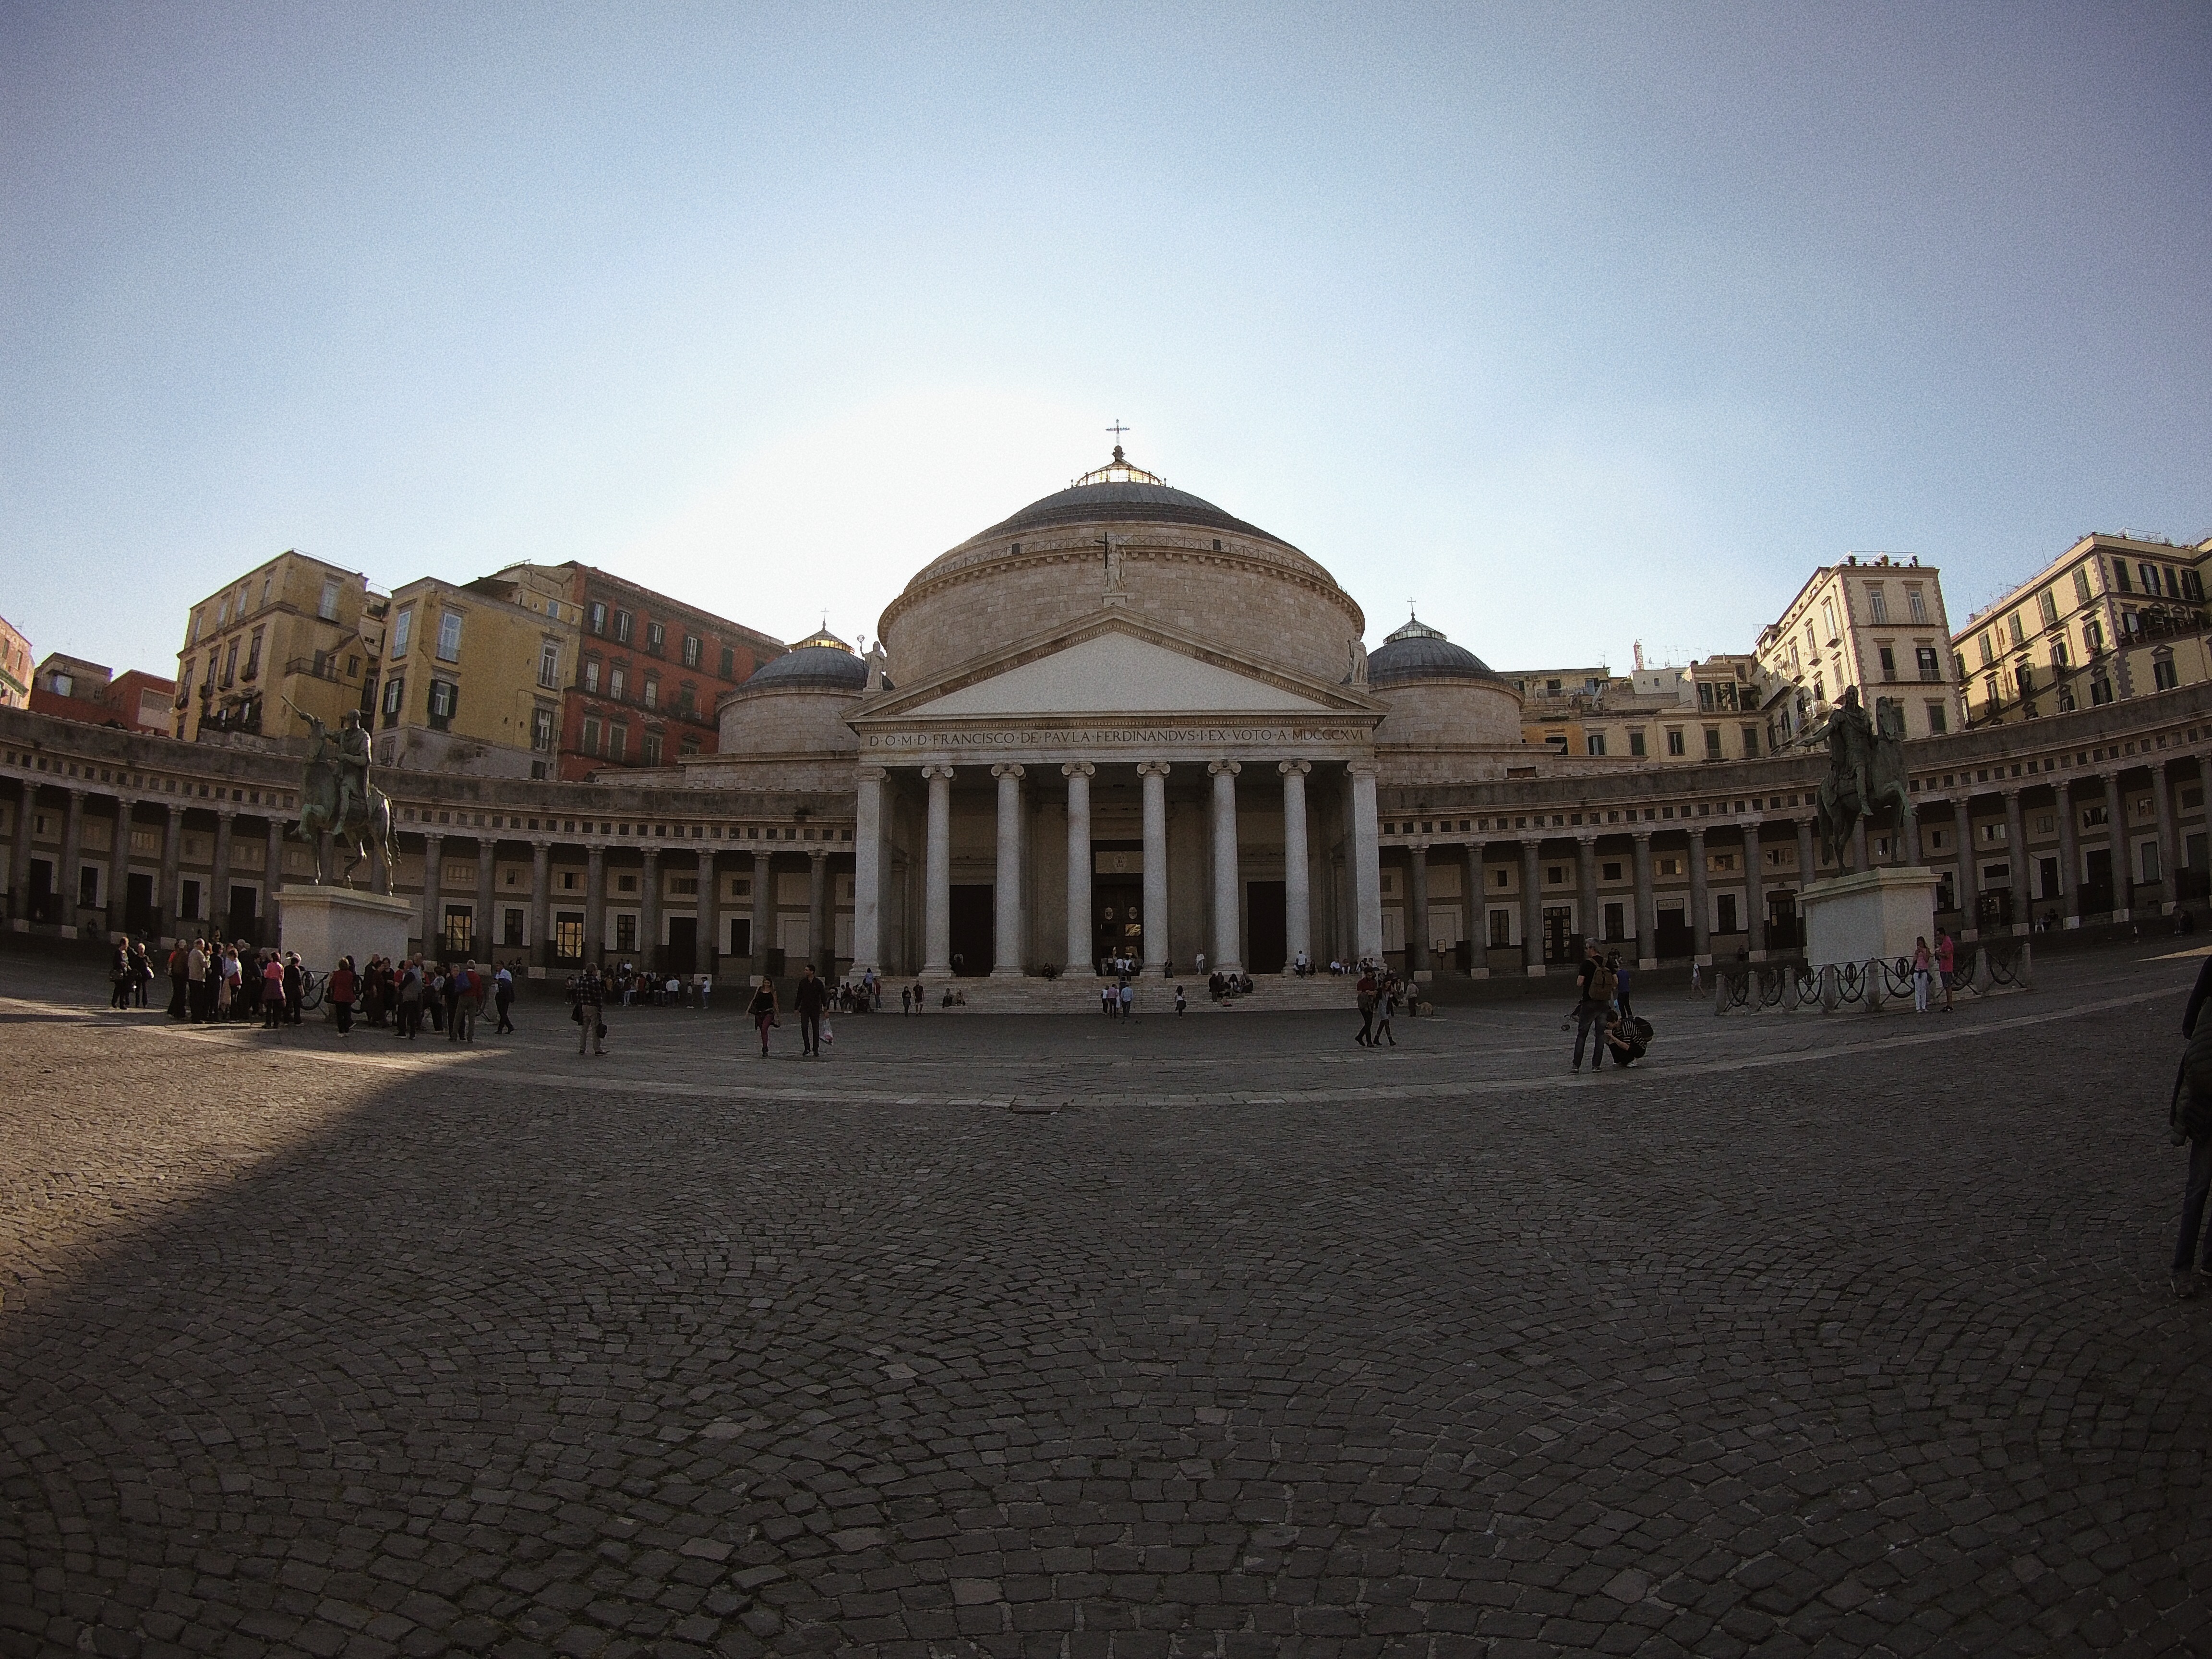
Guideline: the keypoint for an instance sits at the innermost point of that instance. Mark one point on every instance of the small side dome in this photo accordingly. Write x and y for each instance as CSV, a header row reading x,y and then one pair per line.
x,y
820,661
1419,651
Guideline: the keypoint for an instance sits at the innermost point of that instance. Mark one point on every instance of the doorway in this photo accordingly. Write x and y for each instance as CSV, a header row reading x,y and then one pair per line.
x,y
680,955
2097,886
973,945
1782,931
1559,935
138,904
1117,918
1266,927
239,923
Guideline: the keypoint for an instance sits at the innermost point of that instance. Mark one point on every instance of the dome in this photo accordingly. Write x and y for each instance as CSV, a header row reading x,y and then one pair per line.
x,y
1120,493
819,662
1418,652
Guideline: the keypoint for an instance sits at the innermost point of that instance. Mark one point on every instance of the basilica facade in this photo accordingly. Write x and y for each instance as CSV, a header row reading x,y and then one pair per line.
x,y
1121,725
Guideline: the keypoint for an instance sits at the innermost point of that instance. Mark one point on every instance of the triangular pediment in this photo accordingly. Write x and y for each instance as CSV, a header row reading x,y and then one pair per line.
x,y
1116,666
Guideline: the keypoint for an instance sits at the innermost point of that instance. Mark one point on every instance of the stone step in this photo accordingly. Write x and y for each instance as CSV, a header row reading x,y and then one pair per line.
x,y
1068,995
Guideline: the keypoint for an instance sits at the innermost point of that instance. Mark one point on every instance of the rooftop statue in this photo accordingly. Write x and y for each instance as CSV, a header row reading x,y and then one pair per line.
x,y
336,797
1866,772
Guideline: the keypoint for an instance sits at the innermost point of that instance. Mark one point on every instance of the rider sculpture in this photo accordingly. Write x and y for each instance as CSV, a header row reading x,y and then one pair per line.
x,y
1866,772
336,796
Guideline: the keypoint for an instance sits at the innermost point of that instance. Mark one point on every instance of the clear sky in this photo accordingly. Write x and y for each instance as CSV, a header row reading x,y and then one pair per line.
x,y
1578,324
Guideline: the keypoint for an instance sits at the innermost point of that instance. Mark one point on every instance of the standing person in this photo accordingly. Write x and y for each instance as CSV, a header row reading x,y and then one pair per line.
x,y
906,1000
1947,958
1620,984
1366,991
179,979
1180,1004
591,1014
1923,961
810,998
142,972
1597,992
503,995
345,983
761,1009
917,996
119,975
410,999
272,993
705,990
1128,1000
226,976
295,987
196,973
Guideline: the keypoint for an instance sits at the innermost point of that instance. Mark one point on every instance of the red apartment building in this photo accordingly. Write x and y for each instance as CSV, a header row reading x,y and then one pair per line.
x,y
648,671
71,688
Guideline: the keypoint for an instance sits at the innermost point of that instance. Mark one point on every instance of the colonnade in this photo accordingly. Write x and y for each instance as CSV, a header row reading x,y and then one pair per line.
x,y
1011,916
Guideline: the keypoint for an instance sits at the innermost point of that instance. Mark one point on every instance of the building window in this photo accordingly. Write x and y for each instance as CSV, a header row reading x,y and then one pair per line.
x,y
403,631
2092,635
2019,634
653,749
229,665
592,674
617,681
395,694
253,654
1989,651
199,625
449,637
2100,691
1750,742
549,664
687,700
2081,585
2065,698
1594,743
690,650
2120,576
1712,743
1674,742
1930,666
622,626
1889,664
1877,603
1501,930
1636,742
2149,578
1828,618
651,692
328,608
222,612
590,734
656,639
2023,676
2162,671
729,663
2046,605
598,613
689,747
1916,605
541,730
445,698
617,739
568,937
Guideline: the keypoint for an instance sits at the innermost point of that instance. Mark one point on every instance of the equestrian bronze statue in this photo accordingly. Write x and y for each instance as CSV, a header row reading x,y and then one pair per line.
x,y
1866,772
336,797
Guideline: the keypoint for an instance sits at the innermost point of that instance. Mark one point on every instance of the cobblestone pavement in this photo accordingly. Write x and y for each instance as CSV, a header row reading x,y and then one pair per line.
x,y
1052,1335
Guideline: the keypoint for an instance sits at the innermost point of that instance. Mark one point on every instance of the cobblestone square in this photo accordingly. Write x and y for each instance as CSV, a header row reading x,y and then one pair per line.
x,y
1060,1336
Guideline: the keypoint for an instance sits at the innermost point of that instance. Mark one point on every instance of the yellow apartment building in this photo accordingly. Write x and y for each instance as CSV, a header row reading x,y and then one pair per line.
x,y
1875,621
295,633
473,674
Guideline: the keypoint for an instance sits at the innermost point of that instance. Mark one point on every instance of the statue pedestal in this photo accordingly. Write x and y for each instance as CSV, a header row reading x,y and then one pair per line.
x,y
325,923
1869,914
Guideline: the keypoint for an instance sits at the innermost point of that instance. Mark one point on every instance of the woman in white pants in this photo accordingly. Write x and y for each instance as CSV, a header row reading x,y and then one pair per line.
x,y
1923,963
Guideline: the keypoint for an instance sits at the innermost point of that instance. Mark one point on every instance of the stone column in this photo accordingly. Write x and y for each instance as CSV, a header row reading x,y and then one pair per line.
x,y
1808,858
2161,791
1477,909
1647,905
1228,925
541,904
595,904
1079,944
1153,775
1416,910
867,872
1912,848
2069,855
1586,889
226,824
648,912
172,847
487,927
1297,875
1532,906
1862,854
763,909
19,859
1701,916
1970,892
821,933
272,871
1366,861
66,877
1009,924
937,881
434,880
118,865
2116,827
2023,893
1754,893
707,946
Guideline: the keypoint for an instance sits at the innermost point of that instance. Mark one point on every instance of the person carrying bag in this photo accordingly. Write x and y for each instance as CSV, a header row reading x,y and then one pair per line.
x,y
763,1010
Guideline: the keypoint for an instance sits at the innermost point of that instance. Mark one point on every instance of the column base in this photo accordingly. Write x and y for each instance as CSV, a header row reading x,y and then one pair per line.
x,y
1646,965
936,970
1008,972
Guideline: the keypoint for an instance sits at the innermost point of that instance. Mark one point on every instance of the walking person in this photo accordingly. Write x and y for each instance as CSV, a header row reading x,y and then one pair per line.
x,y
344,984
1385,1004
1180,1003
1128,1000
591,1014
295,987
1947,959
1620,984
503,998
810,998
1923,962
1366,991
762,1010
1597,990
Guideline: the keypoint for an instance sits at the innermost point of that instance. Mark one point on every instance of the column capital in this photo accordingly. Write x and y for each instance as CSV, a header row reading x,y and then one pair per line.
x,y
872,773
1232,768
1077,769
1642,835
1697,832
937,770
1586,839
1009,769
651,853
1151,769
762,855
817,853
1362,769
1288,767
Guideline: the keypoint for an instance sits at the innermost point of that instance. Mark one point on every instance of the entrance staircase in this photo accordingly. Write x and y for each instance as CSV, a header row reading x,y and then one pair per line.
x,y
1071,994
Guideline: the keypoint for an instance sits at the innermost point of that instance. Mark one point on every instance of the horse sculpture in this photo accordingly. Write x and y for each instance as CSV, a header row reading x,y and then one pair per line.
x,y
358,821
1867,775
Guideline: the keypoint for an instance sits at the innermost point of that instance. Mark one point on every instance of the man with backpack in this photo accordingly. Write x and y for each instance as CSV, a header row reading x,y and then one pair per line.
x,y
1596,987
